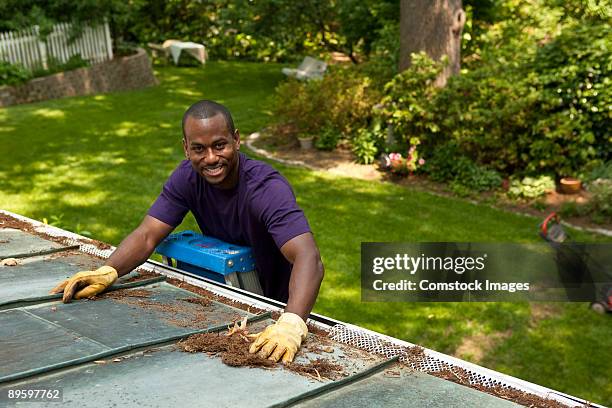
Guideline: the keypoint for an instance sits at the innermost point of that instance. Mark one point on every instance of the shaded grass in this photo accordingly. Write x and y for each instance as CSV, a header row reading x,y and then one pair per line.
x,y
100,162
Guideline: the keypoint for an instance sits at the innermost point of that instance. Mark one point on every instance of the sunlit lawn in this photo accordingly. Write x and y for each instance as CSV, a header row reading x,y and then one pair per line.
x,y
98,162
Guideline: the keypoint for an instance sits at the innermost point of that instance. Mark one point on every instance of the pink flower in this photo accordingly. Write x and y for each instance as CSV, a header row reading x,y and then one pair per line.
x,y
412,149
395,156
421,162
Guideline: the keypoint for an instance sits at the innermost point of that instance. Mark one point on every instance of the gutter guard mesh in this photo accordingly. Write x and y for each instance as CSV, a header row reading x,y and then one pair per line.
x,y
420,362
428,363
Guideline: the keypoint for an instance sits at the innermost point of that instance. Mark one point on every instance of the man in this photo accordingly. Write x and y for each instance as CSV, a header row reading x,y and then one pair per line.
x,y
235,199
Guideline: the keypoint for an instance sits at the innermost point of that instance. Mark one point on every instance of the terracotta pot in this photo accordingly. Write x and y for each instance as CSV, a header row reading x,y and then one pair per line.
x,y
570,185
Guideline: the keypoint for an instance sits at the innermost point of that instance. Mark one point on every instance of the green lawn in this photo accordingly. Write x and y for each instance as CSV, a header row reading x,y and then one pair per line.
x,y
98,163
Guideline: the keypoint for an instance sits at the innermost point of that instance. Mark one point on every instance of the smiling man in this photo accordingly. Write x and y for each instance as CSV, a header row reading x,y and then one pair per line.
x,y
237,200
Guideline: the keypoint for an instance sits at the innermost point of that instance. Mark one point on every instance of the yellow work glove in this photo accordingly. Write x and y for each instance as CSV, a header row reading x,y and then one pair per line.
x,y
88,283
282,339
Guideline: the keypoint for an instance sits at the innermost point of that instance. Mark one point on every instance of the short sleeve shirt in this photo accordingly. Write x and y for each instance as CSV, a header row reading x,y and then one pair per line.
x,y
260,212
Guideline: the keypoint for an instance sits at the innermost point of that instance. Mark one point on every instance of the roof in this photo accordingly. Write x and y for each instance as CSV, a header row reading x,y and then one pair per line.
x,y
121,347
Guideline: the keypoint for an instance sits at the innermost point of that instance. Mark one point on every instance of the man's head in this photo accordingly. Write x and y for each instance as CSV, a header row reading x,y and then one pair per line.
x,y
211,143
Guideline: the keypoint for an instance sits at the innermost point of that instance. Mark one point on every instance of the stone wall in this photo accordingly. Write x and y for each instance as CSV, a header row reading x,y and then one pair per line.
x,y
120,74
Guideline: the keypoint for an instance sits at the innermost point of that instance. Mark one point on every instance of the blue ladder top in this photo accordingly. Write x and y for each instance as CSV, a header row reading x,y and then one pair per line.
x,y
207,252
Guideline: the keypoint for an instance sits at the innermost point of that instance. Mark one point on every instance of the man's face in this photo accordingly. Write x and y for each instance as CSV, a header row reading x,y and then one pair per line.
x,y
212,150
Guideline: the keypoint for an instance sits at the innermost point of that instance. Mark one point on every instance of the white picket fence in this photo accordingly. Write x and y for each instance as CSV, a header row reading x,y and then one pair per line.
x,y
28,48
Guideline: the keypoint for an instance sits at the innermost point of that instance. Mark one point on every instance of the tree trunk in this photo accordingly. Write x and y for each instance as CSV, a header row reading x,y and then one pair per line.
x,y
433,26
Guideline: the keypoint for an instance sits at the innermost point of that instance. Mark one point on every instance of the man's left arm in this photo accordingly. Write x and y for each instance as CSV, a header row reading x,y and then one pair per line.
x,y
283,339
306,274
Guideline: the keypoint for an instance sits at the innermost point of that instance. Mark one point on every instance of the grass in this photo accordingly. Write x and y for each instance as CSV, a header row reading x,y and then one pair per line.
x,y
98,162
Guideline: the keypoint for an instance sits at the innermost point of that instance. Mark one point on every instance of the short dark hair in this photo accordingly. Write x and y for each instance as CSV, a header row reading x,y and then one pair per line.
x,y
206,109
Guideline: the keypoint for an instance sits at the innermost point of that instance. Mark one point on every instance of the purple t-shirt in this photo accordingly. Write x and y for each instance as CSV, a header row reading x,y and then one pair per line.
x,y
260,212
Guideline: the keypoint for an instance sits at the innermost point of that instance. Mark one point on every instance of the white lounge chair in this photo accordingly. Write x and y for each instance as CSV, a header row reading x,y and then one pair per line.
x,y
310,68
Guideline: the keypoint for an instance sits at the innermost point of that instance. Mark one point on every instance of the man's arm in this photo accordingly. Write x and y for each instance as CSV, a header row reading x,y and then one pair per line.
x,y
284,338
306,274
136,248
133,251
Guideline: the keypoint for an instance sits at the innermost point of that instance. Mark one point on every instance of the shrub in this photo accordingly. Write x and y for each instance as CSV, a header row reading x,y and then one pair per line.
x,y
364,145
531,187
336,106
383,63
54,66
600,171
574,75
600,204
488,116
479,178
407,105
544,110
447,164
536,99
327,139
296,105
13,74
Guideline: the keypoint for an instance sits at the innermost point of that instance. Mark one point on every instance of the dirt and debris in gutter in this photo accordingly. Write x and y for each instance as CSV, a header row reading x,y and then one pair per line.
x,y
234,349
414,356
131,293
198,301
142,275
311,347
319,369
187,312
392,373
239,305
212,296
64,254
460,376
6,221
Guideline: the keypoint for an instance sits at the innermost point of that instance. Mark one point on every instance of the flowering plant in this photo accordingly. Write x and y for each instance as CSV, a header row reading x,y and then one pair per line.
x,y
409,164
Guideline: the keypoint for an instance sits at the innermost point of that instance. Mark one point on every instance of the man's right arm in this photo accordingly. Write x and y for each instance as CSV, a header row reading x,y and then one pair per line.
x,y
133,251
136,248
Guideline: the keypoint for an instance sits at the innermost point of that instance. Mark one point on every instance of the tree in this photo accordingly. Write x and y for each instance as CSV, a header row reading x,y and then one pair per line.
x,y
433,26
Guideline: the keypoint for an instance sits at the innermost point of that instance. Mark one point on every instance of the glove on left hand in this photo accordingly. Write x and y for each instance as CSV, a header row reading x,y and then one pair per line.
x,y
282,339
